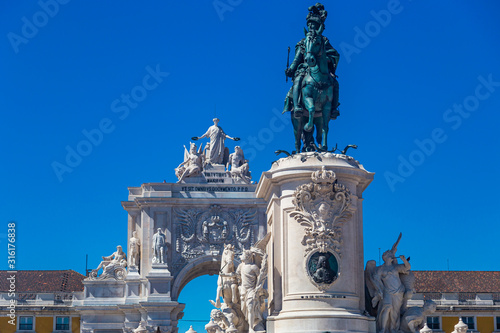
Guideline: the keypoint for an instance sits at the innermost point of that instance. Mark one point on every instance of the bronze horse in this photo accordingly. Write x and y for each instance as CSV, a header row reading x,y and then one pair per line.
x,y
317,95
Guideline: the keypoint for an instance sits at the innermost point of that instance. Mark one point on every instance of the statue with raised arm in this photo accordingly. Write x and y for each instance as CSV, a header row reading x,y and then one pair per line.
x,y
192,165
159,245
134,250
386,289
113,266
217,153
239,166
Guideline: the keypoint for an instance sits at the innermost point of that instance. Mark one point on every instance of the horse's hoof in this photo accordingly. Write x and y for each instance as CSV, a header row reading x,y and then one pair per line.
x,y
308,128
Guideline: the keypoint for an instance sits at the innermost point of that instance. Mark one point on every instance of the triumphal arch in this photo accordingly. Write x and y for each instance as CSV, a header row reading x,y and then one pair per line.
x,y
177,232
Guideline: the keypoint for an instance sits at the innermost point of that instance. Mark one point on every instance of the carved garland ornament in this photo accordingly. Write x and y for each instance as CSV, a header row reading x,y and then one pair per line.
x,y
321,207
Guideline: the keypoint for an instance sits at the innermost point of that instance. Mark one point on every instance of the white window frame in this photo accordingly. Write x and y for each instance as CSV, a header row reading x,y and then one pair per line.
x,y
439,322
495,323
473,319
33,323
55,323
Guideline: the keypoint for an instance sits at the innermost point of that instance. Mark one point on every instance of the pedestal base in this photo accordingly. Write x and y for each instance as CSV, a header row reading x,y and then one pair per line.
x,y
310,321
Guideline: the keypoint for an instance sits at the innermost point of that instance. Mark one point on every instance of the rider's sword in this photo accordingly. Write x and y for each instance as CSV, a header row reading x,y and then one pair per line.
x,y
287,63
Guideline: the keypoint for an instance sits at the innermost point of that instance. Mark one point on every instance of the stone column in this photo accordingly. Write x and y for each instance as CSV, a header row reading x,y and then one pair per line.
x,y
316,268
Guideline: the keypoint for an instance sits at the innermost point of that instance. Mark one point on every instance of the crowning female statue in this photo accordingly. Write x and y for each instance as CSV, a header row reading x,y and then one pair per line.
x,y
314,95
218,153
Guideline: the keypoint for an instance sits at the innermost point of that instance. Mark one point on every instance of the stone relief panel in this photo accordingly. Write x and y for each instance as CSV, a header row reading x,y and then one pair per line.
x,y
201,231
322,207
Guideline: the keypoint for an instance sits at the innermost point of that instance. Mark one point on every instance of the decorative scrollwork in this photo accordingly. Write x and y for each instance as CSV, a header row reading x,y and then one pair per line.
x,y
120,273
322,207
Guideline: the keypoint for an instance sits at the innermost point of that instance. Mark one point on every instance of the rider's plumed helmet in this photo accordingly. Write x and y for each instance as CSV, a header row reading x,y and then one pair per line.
x,y
317,13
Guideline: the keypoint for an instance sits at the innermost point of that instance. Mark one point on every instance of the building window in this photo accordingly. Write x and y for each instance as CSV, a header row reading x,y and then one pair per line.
x,y
25,323
433,323
498,324
470,322
62,323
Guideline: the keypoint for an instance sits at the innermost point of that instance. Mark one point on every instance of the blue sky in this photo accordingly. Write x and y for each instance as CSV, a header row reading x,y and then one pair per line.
x,y
419,92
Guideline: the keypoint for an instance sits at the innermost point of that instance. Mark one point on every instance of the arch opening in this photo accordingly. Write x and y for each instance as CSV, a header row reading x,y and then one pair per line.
x,y
195,285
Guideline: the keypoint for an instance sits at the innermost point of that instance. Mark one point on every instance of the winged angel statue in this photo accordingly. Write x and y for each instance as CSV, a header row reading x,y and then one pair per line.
x,y
193,163
389,286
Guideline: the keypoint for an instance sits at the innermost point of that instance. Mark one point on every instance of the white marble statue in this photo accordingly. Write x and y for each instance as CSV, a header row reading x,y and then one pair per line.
x,y
192,165
113,266
239,166
414,318
228,315
134,250
387,289
228,320
227,284
242,291
252,274
159,247
218,153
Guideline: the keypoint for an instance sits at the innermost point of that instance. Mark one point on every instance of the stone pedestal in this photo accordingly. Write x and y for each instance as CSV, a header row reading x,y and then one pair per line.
x,y
159,283
305,227
134,283
108,291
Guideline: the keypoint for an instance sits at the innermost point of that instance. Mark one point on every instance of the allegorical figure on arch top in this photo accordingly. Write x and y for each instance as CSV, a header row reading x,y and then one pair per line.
x,y
315,88
239,166
218,153
192,165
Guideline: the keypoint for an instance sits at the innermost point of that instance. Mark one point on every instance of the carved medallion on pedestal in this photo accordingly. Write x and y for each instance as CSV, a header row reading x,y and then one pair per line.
x,y
322,269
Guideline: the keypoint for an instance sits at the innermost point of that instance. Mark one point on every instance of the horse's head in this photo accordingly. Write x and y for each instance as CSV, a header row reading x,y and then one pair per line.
x,y
314,44
228,253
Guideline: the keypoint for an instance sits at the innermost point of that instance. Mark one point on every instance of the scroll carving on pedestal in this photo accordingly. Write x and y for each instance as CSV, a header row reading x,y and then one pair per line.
x,y
322,206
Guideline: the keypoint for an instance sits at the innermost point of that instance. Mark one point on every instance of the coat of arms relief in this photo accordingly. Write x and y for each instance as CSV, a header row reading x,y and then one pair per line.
x,y
201,231
322,207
